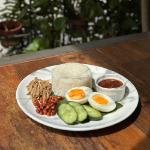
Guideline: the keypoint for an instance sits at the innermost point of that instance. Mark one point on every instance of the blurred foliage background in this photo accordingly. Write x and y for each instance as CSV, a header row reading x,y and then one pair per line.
x,y
56,23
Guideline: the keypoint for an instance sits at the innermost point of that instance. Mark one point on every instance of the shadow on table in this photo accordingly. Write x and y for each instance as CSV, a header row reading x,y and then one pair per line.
x,y
118,127
87,139
124,124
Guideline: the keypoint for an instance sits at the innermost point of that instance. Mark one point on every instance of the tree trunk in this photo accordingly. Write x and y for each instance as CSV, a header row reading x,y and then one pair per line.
x,y
145,15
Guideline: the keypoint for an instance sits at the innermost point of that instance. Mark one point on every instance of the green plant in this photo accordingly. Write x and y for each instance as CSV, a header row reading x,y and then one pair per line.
x,y
122,18
41,43
79,13
51,20
49,26
43,17
85,9
41,24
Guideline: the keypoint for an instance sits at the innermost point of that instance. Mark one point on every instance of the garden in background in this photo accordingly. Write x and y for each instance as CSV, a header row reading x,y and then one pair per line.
x,y
46,24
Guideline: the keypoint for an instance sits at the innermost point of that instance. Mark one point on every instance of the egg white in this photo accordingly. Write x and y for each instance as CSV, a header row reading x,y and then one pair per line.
x,y
111,105
88,91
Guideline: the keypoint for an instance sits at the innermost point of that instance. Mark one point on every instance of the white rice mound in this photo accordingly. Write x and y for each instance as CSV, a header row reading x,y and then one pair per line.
x,y
70,75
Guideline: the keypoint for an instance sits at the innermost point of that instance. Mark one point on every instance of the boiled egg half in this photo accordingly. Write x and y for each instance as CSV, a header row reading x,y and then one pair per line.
x,y
78,94
101,102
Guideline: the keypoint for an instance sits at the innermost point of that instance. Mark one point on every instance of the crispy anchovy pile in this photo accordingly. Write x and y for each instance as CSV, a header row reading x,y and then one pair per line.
x,y
37,88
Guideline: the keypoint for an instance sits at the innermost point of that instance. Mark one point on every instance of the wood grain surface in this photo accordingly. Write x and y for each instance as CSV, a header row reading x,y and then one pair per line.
x,y
130,59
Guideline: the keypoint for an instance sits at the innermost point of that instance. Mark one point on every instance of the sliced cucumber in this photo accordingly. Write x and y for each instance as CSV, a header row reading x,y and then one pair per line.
x,y
66,112
93,114
81,111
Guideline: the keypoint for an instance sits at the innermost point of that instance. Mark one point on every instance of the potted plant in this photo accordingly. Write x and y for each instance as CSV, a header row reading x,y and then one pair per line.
x,y
9,28
50,27
9,24
39,25
79,14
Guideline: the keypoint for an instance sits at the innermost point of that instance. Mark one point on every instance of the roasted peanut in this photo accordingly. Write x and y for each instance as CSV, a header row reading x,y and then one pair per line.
x,y
45,111
48,113
42,106
53,112
41,112
59,97
47,107
37,110
53,107
41,99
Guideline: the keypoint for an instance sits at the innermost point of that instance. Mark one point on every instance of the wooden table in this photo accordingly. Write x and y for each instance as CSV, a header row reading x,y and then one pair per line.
x,y
131,59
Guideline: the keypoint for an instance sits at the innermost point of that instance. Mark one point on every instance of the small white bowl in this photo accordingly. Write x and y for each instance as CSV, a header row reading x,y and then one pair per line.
x,y
116,94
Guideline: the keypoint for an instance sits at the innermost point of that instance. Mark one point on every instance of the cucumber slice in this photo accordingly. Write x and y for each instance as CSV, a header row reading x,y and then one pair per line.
x,y
66,112
93,114
81,111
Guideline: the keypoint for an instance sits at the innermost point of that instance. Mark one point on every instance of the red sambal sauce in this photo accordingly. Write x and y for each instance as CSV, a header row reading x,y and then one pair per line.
x,y
110,83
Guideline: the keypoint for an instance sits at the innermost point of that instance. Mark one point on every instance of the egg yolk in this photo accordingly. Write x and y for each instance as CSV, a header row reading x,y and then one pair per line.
x,y
99,99
76,94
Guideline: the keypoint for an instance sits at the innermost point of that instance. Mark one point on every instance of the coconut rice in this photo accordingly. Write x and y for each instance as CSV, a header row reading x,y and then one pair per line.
x,y
70,75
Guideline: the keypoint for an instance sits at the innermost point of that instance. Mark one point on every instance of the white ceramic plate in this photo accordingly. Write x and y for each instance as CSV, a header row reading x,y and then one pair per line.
x,y
129,103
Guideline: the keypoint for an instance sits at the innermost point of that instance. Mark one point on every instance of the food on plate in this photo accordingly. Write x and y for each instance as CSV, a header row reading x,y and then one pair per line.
x,y
40,91
48,107
110,83
70,75
81,111
93,114
37,88
71,112
78,94
101,102
66,112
